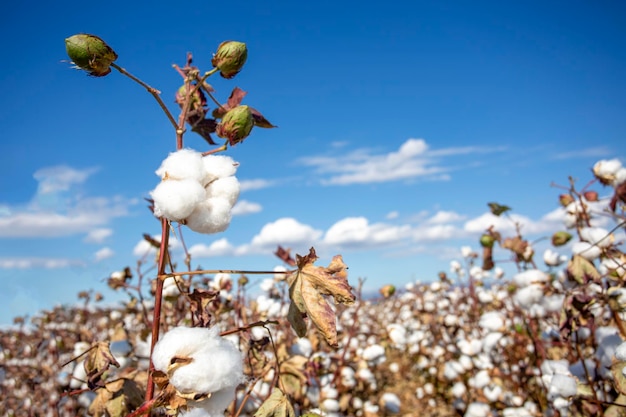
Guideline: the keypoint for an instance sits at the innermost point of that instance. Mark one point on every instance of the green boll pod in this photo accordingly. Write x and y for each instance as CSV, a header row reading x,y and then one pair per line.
x,y
236,125
230,58
90,53
487,241
561,238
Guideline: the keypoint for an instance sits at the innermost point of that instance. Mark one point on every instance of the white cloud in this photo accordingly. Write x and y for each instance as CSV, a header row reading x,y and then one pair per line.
x,y
412,160
506,224
598,152
51,213
60,178
220,247
104,253
356,231
285,231
98,235
436,232
445,217
392,215
32,262
256,184
244,207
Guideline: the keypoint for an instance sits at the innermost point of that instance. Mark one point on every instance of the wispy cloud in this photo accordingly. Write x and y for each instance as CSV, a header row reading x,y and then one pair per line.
x,y
244,207
98,235
60,178
55,211
256,184
104,253
597,152
33,262
412,160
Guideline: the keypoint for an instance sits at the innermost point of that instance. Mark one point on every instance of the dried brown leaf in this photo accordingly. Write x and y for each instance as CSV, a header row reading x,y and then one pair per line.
x,y
307,288
277,405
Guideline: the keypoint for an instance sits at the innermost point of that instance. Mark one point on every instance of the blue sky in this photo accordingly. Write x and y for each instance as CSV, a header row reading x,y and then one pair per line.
x,y
396,124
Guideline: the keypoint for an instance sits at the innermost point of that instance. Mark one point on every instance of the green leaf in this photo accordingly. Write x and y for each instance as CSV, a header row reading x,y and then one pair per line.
x,y
498,209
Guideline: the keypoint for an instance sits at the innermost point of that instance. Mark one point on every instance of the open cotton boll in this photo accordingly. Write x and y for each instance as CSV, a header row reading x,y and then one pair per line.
x,y
182,164
390,402
492,320
216,364
597,236
530,276
526,297
477,409
210,216
226,188
175,200
217,166
552,258
606,170
586,250
562,385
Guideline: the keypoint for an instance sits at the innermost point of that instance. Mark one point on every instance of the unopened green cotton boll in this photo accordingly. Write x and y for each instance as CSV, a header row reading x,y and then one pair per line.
x,y
230,58
90,53
236,125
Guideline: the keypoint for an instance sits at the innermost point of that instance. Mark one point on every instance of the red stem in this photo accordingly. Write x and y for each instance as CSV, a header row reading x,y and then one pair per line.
x,y
156,318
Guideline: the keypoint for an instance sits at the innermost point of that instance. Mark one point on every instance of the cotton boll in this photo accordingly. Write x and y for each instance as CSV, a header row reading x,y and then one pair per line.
x,y
526,297
215,365
466,251
562,386
210,216
303,347
492,320
492,392
390,402
182,164
477,409
374,354
330,404
218,166
458,389
397,334
606,170
597,236
195,412
552,258
218,401
226,188
176,199
531,276
586,250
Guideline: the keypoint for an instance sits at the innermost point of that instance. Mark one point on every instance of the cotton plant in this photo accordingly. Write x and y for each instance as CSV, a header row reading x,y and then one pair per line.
x,y
197,191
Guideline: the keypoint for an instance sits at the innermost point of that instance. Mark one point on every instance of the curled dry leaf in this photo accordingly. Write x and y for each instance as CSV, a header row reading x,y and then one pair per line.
x,y
116,399
97,363
307,288
277,405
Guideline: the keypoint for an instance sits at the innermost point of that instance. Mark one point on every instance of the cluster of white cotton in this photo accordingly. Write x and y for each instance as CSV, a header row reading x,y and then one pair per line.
x,y
610,172
562,385
196,190
199,361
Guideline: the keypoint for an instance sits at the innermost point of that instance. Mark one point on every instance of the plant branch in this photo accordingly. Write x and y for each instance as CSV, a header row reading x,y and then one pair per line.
x,y
155,93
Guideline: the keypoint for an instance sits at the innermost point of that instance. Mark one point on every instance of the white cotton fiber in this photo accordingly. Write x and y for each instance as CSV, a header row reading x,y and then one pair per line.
x,y
210,216
182,164
596,236
526,297
217,166
530,276
175,200
586,250
390,402
216,364
226,188
620,352
492,320
562,385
